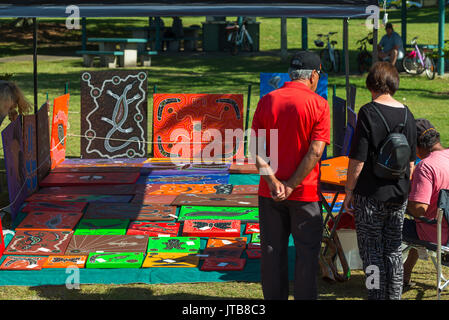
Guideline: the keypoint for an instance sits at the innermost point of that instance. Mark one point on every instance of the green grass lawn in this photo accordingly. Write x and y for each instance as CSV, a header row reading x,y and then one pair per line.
x,y
217,73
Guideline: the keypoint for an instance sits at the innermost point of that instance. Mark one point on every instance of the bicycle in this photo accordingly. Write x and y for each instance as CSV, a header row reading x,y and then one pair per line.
x,y
416,62
364,57
330,58
238,37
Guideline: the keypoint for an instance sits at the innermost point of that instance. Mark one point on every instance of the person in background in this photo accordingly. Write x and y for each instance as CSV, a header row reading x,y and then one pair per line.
x,y
379,204
289,196
430,176
390,46
12,101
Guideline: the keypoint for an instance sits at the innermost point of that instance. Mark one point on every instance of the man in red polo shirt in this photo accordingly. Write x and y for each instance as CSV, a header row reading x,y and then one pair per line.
x,y
289,190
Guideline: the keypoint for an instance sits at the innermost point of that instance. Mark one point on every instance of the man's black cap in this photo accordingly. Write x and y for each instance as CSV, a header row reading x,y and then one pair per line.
x,y
423,126
305,60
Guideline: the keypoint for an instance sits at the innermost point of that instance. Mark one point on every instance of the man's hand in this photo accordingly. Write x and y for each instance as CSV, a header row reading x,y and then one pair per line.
x,y
277,189
288,189
348,203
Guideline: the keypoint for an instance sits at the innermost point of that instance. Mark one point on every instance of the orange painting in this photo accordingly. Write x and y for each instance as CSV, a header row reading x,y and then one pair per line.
x,y
335,170
65,261
226,242
58,140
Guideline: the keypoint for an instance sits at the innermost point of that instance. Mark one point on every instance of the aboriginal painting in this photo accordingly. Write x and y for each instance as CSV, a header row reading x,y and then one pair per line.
x,y
102,226
23,263
30,152
171,260
174,244
144,199
15,164
115,260
124,189
38,242
211,228
223,264
154,229
254,253
85,244
114,114
61,261
222,200
55,206
58,140
112,163
246,189
252,228
50,220
219,213
177,189
226,242
221,253
85,179
182,124
43,142
157,212
41,197
247,168
185,179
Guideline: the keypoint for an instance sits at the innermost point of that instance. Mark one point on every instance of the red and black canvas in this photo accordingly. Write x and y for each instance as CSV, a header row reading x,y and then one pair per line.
x,y
54,206
95,169
252,228
50,220
245,167
85,244
221,253
223,264
211,228
226,242
253,245
246,189
217,200
190,119
131,211
83,179
254,253
144,199
154,229
125,189
114,114
23,263
39,242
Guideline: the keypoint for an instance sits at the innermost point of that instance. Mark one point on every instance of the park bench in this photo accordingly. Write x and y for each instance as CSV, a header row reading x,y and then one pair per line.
x,y
145,57
109,57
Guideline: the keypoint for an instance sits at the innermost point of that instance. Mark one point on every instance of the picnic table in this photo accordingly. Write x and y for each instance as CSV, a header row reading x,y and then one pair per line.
x,y
127,53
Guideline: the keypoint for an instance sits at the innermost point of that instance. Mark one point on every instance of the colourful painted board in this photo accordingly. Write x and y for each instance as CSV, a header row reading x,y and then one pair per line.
x,y
174,244
221,253
85,244
254,245
211,228
222,200
58,140
30,152
154,229
141,199
223,264
245,167
83,179
23,263
219,213
197,118
226,242
114,114
334,170
246,189
127,189
62,221
38,197
43,142
15,164
329,196
39,242
122,260
2,240
252,228
102,163
54,206
63,262
95,169
254,253
102,226
177,189
171,260
131,211
185,179
255,238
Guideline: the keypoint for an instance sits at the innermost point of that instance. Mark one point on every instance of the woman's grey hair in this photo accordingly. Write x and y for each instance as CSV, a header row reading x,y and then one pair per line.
x,y
302,74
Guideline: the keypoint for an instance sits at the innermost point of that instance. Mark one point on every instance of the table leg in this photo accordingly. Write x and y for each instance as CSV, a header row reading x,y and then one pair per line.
x,y
106,60
129,58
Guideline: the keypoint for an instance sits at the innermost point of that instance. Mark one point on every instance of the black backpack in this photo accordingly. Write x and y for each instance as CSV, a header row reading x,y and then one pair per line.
x,y
393,154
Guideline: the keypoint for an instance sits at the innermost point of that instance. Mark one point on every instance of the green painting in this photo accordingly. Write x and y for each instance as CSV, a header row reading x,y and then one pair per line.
x,y
219,213
115,260
255,238
102,227
174,244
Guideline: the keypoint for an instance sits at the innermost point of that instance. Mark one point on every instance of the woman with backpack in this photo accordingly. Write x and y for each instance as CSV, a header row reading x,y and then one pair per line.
x,y
381,161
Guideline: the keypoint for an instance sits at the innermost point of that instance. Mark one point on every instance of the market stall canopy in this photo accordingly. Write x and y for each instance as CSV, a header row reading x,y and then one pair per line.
x,y
145,8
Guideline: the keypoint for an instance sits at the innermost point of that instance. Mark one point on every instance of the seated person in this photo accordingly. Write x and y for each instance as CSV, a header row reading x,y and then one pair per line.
x,y
390,46
429,177
12,101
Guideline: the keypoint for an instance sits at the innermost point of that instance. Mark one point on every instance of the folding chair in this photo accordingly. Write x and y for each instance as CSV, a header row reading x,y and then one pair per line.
x,y
436,250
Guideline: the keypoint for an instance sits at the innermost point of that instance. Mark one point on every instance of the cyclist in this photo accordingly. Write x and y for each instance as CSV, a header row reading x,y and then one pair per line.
x,y
390,47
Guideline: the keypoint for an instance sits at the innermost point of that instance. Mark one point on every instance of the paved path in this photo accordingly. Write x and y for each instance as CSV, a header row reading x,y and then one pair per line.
x,y
29,57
